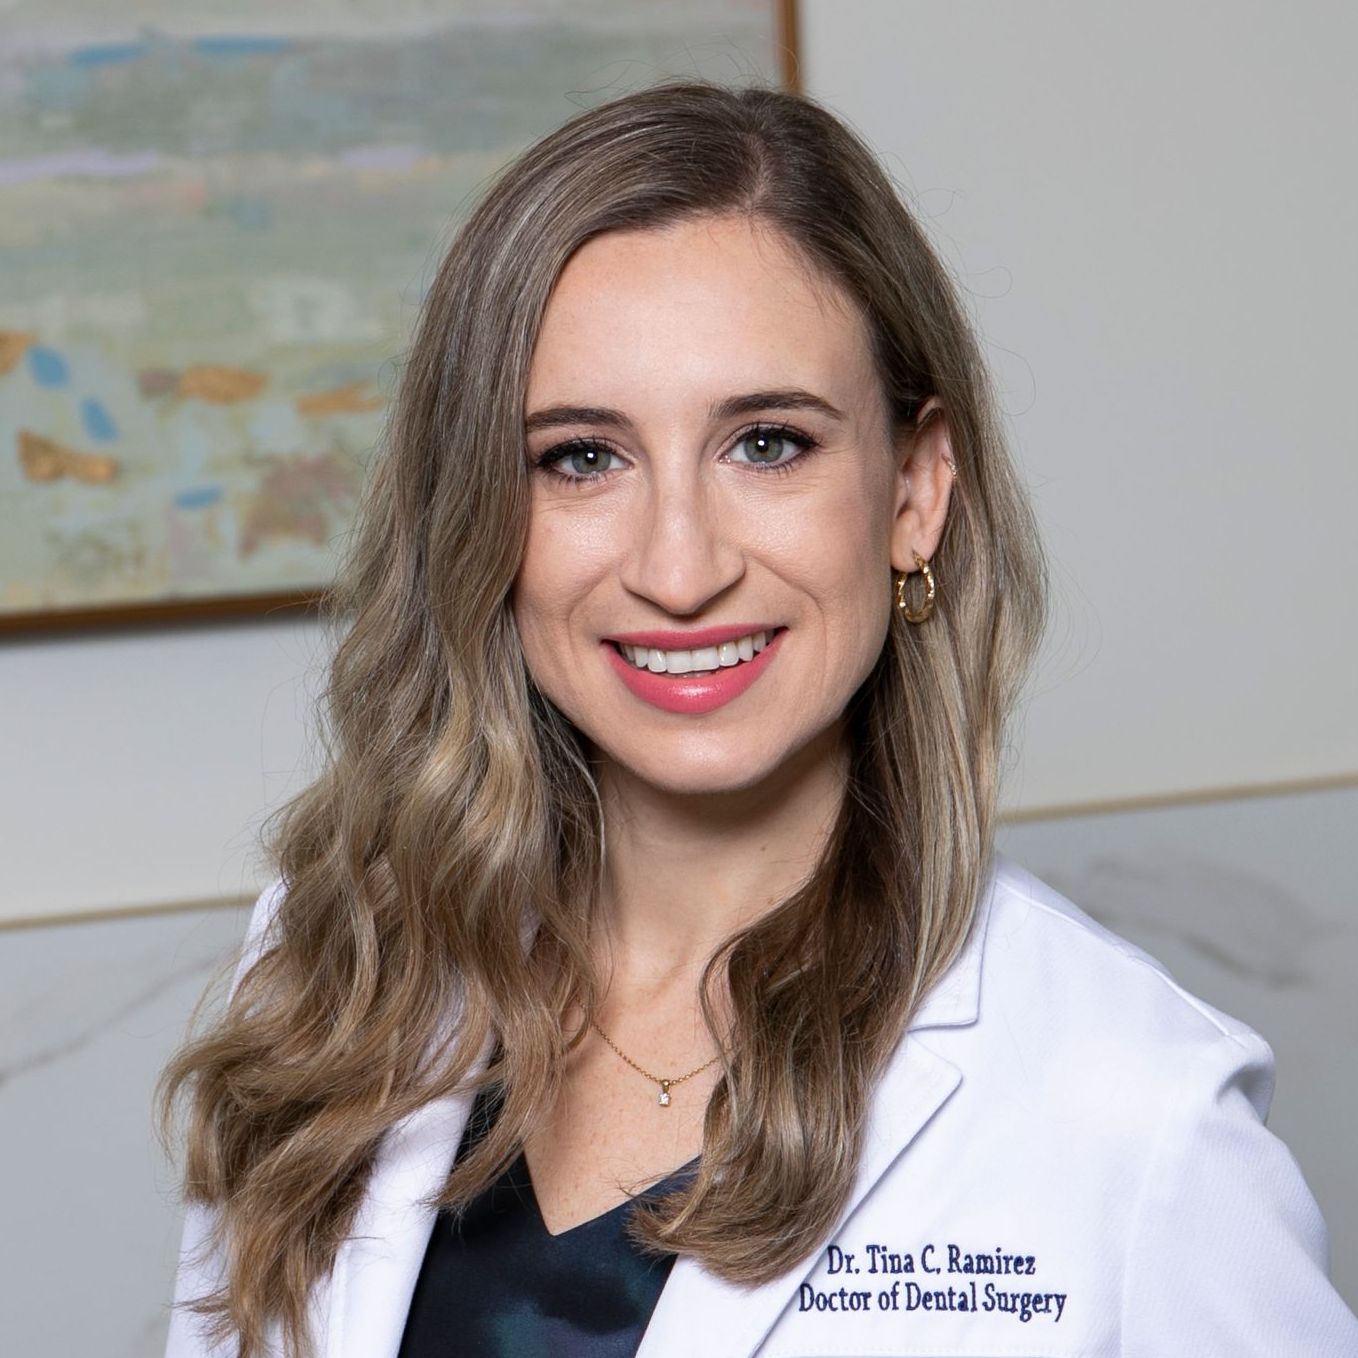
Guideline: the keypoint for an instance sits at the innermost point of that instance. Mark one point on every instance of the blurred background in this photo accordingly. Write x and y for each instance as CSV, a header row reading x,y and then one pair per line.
x,y
1147,211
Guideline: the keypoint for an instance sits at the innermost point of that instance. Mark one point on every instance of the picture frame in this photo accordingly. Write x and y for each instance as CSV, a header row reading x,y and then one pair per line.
x,y
218,231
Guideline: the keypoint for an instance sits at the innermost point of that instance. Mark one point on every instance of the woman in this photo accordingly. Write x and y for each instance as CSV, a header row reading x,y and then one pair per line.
x,y
690,596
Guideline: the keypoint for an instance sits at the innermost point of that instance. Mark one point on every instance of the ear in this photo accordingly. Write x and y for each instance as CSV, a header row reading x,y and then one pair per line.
x,y
924,478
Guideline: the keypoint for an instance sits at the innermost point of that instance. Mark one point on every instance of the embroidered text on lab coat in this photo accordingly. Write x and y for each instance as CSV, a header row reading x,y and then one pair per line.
x,y
945,1278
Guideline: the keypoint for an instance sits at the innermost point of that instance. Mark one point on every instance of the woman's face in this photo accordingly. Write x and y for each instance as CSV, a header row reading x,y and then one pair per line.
x,y
713,471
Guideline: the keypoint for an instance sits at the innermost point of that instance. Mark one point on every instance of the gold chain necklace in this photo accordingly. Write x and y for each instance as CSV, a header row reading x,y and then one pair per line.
x,y
664,1099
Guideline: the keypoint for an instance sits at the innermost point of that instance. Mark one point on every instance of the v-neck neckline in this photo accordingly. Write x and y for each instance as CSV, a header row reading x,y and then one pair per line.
x,y
519,1176
526,1179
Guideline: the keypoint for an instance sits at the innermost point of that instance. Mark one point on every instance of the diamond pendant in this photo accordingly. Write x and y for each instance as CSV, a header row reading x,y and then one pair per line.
x,y
664,1094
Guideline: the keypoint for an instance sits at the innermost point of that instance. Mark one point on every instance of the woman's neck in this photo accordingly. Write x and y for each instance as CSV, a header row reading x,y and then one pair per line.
x,y
683,872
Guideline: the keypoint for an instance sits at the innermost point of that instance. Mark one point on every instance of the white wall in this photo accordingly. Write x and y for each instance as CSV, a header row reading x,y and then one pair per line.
x,y
1153,210
135,768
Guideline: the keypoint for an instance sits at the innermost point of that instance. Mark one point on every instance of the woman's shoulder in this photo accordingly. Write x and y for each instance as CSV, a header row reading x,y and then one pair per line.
x,y
1101,1120
1092,1028
1045,951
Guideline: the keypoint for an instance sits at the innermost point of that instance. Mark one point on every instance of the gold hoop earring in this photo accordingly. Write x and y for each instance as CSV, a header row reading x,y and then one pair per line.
x,y
927,607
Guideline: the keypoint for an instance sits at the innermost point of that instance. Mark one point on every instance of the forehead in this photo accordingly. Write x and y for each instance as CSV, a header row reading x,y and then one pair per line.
x,y
715,303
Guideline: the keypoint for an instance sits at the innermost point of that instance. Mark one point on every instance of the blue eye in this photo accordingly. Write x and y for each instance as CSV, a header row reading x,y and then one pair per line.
x,y
769,446
585,459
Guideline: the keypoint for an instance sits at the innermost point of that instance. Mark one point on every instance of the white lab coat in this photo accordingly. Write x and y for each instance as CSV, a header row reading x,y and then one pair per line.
x,y
1065,1156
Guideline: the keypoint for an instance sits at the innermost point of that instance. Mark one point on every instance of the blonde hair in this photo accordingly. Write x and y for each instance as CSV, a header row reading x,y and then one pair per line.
x,y
457,809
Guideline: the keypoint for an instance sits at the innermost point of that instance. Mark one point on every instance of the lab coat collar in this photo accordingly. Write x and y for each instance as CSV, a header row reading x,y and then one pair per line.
x,y
700,1313
376,1267
366,1297
955,1000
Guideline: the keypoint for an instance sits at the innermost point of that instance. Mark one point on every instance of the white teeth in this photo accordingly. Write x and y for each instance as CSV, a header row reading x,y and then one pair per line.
x,y
728,653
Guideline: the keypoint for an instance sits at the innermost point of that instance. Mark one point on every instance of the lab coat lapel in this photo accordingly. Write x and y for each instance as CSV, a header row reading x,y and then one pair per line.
x,y
700,1313
376,1267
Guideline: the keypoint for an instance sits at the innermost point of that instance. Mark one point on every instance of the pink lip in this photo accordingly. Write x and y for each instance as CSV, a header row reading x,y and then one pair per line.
x,y
692,639
688,694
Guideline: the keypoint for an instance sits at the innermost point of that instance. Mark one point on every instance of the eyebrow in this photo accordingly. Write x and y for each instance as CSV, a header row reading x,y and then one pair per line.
x,y
749,403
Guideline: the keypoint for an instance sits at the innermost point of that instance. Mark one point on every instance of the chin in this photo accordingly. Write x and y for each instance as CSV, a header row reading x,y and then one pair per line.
x,y
691,766
694,773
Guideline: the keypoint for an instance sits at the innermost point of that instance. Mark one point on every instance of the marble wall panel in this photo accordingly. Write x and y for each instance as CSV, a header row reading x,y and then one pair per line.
x,y
88,1015
1252,904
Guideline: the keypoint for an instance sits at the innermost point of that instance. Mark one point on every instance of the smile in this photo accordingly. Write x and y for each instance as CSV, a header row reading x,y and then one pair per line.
x,y
702,680
704,660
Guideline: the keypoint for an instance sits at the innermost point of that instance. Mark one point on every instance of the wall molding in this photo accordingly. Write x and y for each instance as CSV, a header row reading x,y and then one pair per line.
x,y
1107,807
1156,801
97,914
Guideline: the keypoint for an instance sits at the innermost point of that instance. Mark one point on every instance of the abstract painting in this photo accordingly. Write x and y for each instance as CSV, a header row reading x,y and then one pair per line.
x,y
216,225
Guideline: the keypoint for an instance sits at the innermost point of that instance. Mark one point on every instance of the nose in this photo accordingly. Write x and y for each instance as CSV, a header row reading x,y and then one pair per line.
x,y
682,550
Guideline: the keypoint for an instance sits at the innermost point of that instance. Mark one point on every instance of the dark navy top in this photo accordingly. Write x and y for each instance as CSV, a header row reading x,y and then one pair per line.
x,y
498,1285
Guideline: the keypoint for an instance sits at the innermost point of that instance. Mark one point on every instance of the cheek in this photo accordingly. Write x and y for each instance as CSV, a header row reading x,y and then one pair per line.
x,y
849,569
539,619
843,538
562,560
566,539
858,614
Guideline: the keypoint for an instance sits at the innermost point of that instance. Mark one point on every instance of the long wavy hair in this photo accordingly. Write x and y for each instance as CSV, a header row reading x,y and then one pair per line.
x,y
446,862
